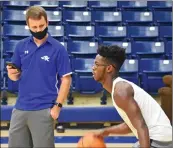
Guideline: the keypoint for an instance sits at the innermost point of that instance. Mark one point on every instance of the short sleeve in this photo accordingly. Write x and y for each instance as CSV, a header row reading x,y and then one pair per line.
x,y
16,55
63,62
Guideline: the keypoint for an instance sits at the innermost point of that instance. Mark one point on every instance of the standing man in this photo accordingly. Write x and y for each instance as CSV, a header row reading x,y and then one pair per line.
x,y
44,83
142,115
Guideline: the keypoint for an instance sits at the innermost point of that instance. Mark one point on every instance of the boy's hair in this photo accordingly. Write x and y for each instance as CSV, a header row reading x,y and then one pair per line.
x,y
114,55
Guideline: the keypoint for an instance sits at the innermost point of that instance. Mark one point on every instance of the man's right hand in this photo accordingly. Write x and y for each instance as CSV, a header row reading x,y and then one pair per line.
x,y
12,72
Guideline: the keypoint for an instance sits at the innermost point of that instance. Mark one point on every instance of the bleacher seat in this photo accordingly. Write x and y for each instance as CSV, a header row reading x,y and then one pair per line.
x,y
82,47
73,4
137,17
54,16
165,31
169,49
16,3
111,31
56,31
163,16
83,79
16,30
80,31
23,30
9,46
106,16
103,4
126,45
143,31
14,15
160,4
129,70
148,49
19,15
152,71
46,4
133,4
77,16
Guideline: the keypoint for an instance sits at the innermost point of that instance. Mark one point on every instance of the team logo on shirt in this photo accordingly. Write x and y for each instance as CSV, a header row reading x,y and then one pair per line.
x,y
46,58
26,51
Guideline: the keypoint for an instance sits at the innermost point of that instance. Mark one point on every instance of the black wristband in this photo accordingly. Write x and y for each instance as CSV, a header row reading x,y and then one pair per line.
x,y
58,104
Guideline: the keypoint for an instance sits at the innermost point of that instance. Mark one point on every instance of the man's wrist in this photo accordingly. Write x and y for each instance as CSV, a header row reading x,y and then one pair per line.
x,y
59,105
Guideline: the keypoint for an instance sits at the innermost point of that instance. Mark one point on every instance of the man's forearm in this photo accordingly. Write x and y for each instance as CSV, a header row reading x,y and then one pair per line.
x,y
118,129
64,89
143,135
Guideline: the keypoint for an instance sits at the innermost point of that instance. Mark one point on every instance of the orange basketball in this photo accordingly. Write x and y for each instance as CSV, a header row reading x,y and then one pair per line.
x,y
91,141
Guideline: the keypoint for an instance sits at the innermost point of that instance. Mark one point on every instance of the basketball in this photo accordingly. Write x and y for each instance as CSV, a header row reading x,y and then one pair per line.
x,y
90,141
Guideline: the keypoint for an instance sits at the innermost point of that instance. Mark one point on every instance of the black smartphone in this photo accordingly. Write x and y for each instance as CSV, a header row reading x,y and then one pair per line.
x,y
13,66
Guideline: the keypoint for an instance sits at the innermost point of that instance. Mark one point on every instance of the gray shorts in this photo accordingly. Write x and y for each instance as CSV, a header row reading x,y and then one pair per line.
x,y
31,129
156,144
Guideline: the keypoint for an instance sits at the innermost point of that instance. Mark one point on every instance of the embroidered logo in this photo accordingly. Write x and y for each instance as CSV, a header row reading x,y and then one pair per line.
x,y
46,58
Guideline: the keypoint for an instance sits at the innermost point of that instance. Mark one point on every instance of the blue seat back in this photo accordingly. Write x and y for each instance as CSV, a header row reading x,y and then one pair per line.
x,y
106,16
136,16
126,45
111,31
148,48
143,31
103,4
80,31
82,47
163,16
77,16
165,31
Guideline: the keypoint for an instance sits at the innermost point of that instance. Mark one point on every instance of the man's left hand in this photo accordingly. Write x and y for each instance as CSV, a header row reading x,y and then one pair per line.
x,y
55,111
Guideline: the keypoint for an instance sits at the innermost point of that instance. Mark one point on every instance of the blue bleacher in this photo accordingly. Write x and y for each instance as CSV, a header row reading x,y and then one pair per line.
x,y
123,44
143,31
133,4
14,15
56,31
111,31
23,30
106,16
169,49
103,4
16,3
77,16
163,16
137,17
148,49
160,4
16,30
46,4
78,114
152,71
165,31
82,48
9,46
73,4
19,15
80,31
83,79
129,70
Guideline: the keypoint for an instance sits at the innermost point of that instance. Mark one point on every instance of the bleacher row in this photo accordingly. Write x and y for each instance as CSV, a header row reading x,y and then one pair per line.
x,y
143,28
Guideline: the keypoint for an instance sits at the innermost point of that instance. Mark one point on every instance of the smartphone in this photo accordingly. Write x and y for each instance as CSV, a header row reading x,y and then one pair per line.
x,y
13,66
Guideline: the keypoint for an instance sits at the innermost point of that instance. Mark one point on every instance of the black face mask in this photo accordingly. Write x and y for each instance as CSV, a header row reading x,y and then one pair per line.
x,y
41,34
